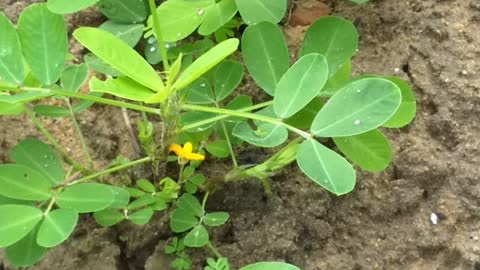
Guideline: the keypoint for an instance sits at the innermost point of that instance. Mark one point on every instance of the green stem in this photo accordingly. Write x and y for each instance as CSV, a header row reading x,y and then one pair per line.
x,y
52,140
80,135
204,202
158,35
50,205
111,170
190,107
214,250
106,101
220,117
180,174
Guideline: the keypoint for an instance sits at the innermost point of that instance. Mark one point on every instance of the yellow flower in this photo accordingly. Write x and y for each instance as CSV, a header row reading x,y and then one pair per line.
x,y
185,152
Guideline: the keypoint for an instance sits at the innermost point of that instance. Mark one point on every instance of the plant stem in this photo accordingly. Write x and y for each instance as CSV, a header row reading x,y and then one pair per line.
x,y
111,170
180,174
52,140
50,205
158,35
80,135
106,101
190,107
204,201
227,138
214,250
220,117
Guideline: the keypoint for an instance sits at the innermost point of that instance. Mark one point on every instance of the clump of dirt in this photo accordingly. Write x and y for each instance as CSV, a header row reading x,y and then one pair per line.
x,y
385,223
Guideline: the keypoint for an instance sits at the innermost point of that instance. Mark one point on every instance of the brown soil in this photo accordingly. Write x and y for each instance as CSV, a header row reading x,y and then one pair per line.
x,y
385,222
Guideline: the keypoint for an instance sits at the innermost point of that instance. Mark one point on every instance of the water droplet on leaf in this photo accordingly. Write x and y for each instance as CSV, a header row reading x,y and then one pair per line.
x,y
200,11
152,49
357,122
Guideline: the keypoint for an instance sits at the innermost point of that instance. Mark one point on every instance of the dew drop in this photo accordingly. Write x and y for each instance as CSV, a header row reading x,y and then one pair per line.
x,y
357,122
358,90
151,40
179,34
152,49
200,11
45,156
202,85
167,45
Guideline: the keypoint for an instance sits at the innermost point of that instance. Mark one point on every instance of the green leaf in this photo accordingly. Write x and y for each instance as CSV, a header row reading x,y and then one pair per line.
x,y
217,16
325,167
121,197
159,204
304,118
198,237
100,66
182,220
216,219
228,76
359,107
218,148
333,37
123,11
266,55
11,109
40,157
205,62
74,76
17,222
337,80
371,150
179,18
146,185
120,56
300,84
25,252
69,6
200,92
191,204
266,134
123,87
408,108
141,217
11,59
108,217
141,202
270,266
238,103
24,183
44,42
128,33
85,198
135,193
256,11
56,227
359,1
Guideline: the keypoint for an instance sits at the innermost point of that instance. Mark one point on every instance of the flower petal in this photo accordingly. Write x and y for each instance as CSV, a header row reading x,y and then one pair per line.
x,y
177,149
187,148
194,156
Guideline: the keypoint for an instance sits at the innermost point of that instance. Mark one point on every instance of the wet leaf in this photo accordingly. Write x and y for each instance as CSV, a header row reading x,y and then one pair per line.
x,y
10,53
256,11
86,198
24,183
360,106
266,134
17,222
